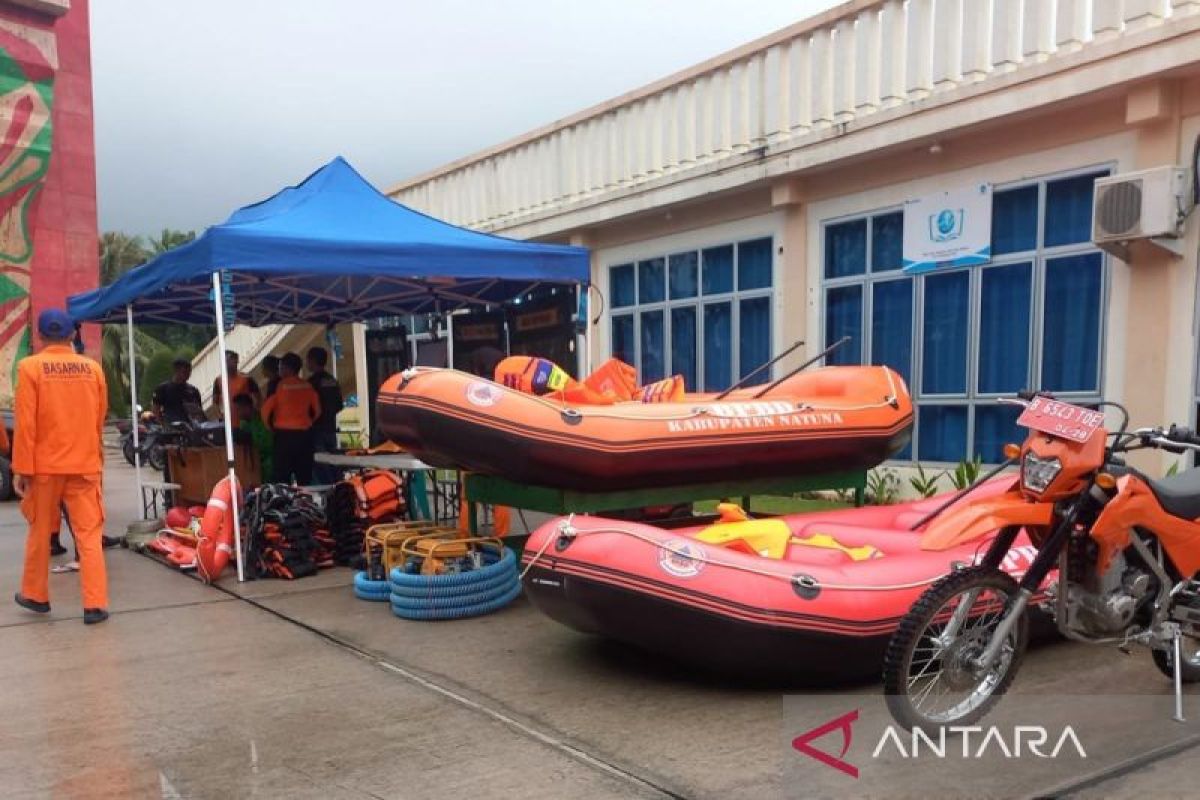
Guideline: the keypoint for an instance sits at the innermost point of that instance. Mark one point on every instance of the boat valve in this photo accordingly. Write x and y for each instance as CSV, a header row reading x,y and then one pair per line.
x,y
571,416
806,586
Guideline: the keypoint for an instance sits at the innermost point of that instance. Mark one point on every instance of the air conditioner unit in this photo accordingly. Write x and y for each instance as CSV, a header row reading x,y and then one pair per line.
x,y
1149,205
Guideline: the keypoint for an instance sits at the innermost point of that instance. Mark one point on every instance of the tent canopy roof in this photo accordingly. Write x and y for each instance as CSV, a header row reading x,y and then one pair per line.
x,y
331,249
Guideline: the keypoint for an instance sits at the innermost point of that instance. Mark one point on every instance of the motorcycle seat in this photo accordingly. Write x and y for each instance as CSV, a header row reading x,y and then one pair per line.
x,y
1179,494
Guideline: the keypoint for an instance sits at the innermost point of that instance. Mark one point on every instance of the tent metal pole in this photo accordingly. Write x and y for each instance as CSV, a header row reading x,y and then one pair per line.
x,y
234,488
133,407
587,329
361,382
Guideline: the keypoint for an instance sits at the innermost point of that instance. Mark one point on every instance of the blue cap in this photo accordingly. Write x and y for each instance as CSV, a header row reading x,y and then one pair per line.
x,y
54,323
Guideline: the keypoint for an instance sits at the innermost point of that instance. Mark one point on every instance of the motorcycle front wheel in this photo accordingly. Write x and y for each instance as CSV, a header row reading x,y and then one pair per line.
x,y
127,451
930,677
156,455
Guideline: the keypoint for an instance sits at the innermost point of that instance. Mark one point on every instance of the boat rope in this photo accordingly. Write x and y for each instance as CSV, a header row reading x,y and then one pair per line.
x,y
612,412
567,530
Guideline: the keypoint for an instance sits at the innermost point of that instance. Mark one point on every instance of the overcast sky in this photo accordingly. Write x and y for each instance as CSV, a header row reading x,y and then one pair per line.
x,y
202,107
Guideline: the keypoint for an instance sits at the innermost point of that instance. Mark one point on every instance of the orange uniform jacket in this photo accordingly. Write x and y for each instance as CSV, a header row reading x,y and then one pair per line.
x,y
239,383
293,407
61,400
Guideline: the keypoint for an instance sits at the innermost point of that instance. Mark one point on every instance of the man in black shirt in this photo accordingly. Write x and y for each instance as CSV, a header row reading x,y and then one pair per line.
x,y
177,400
270,365
324,429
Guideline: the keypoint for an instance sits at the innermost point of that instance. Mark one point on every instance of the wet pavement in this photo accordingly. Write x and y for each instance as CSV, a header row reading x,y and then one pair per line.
x,y
301,690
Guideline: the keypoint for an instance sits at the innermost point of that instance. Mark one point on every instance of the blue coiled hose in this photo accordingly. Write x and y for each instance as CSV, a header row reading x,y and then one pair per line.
x,y
367,589
456,595
433,612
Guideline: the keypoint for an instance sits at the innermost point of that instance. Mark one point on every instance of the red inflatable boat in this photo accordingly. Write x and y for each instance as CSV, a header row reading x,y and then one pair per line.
x,y
809,596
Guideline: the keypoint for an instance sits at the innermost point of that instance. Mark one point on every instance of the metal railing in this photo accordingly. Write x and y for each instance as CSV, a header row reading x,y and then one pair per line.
x,y
858,59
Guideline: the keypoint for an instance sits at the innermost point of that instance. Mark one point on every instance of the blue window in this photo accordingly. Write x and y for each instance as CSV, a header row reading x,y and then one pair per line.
x,y
996,426
843,317
718,270
623,346
1032,318
891,325
704,314
684,268
846,249
1014,220
942,432
946,320
683,344
1071,323
621,286
755,337
754,264
887,242
718,357
651,281
653,346
1004,323
1069,209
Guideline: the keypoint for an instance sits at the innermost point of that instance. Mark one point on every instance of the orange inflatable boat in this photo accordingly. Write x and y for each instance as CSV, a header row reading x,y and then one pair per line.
x,y
826,420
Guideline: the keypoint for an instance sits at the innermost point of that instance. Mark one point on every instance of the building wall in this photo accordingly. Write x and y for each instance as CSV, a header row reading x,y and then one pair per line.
x,y
48,227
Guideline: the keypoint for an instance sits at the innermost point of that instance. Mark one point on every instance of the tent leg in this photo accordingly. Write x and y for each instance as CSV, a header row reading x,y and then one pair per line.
x,y
133,409
587,332
362,386
234,488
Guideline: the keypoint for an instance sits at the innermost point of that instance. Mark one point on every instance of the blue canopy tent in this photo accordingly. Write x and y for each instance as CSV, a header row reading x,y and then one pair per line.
x,y
330,249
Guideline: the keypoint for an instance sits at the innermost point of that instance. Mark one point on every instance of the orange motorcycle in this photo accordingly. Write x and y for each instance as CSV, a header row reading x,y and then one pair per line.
x,y
1126,548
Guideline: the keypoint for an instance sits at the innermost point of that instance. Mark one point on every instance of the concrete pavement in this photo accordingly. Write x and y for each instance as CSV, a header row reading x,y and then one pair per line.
x,y
303,690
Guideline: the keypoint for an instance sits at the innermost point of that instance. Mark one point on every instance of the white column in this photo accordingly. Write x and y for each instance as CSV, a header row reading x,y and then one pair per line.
x,y
234,487
1106,19
655,121
756,100
1141,14
919,49
134,416
1071,25
688,122
1006,34
821,77
800,96
893,29
706,116
947,44
844,70
867,53
977,23
1038,29
1184,6
739,105
723,97
775,93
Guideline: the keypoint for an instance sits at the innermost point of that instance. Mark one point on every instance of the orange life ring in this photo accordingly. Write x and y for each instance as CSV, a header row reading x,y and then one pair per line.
x,y
215,545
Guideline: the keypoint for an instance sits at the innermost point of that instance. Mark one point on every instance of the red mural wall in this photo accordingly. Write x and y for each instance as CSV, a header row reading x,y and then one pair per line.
x,y
49,243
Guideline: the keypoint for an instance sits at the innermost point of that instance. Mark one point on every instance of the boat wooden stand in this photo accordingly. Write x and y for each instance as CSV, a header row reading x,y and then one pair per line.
x,y
498,491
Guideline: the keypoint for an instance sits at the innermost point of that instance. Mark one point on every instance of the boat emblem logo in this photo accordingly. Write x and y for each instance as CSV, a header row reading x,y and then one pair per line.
x,y
681,558
482,394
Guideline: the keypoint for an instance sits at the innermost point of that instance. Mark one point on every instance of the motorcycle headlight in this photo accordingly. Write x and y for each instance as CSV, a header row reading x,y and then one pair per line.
x,y
1037,473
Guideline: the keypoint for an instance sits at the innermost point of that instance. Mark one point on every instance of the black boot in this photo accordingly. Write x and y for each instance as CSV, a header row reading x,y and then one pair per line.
x,y
93,615
32,605
56,548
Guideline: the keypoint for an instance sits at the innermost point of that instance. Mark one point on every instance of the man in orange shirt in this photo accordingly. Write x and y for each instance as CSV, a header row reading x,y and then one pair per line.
x,y
61,400
290,414
239,383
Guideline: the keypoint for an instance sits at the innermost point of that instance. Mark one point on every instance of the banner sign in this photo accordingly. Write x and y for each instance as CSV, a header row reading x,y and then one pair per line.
x,y
948,229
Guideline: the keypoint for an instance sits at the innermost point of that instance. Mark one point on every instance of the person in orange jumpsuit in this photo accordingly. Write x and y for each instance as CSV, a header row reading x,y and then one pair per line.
x,y
58,460
239,382
290,414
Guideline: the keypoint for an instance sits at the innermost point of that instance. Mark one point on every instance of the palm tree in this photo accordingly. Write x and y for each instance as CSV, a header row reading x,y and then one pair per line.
x,y
119,253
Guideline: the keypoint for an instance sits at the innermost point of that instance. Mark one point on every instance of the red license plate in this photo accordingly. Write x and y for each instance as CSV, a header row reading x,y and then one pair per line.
x,y
1064,420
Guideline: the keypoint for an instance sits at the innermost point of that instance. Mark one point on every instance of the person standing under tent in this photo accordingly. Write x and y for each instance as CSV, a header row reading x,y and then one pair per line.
x,y
58,460
290,414
177,400
270,365
239,383
329,392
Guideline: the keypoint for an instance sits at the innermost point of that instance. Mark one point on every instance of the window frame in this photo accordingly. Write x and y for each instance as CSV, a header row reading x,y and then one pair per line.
x,y
1038,258
698,302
